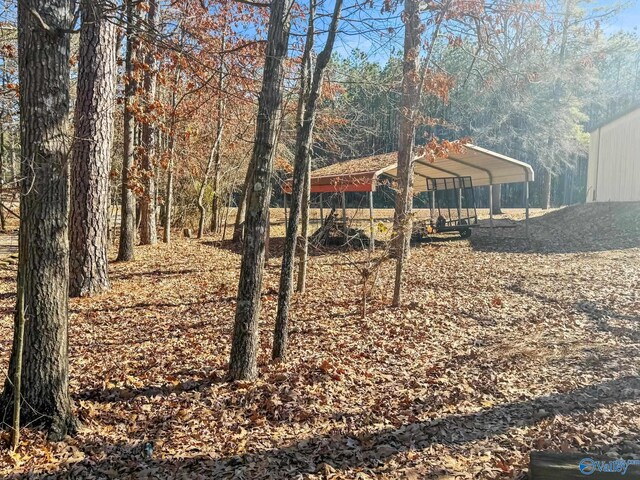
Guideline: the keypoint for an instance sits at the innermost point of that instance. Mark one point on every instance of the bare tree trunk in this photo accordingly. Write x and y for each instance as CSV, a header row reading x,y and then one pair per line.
x,y
305,87
226,214
91,162
300,170
17,373
128,200
168,196
215,203
3,150
496,193
406,140
215,148
156,190
12,161
267,238
148,229
3,220
43,269
238,226
215,206
244,348
546,189
557,98
304,247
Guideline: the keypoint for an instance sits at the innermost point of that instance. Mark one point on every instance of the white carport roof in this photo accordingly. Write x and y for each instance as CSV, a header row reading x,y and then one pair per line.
x,y
360,175
483,166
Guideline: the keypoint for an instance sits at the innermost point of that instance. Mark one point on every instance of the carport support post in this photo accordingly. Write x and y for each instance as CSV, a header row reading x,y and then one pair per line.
x,y
491,209
372,240
433,204
321,211
344,211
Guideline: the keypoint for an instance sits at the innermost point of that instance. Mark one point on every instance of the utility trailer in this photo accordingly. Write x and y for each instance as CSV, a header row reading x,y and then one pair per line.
x,y
454,200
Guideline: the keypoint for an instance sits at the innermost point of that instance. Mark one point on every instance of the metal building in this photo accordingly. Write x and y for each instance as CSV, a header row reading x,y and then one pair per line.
x,y
614,160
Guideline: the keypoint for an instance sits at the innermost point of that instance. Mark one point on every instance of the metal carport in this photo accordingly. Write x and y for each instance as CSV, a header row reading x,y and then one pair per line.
x,y
485,167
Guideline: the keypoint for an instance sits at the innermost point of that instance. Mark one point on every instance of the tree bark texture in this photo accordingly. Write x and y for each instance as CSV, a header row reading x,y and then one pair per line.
x,y
3,221
243,363
304,247
406,140
92,153
305,87
43,269
3,150
148,229
128,199
300,168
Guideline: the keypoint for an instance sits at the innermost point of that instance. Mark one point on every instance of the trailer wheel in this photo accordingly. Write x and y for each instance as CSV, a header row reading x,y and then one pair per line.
x,y
465,233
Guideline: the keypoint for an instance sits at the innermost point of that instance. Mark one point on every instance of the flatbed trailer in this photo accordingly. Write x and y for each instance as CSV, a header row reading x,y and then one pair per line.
x,y
455,202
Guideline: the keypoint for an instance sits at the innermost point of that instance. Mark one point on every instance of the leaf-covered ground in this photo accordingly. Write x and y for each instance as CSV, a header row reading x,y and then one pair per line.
x,y
497,351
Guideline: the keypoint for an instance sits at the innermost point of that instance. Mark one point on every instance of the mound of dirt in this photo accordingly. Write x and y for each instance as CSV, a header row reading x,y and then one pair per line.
x,y
589,227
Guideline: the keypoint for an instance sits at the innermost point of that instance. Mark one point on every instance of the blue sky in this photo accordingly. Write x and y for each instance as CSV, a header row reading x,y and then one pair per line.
x,y
377,44
630,18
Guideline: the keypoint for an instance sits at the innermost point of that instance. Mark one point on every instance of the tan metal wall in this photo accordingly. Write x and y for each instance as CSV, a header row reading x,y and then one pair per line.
x,y
614,161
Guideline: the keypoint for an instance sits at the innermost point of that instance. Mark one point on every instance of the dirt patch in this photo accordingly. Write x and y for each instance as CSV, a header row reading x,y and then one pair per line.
x,y
590,227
